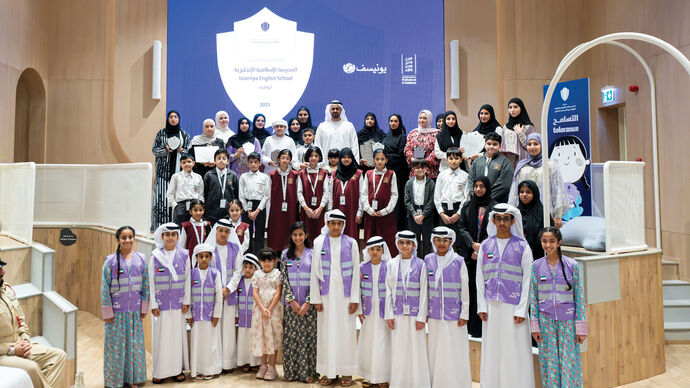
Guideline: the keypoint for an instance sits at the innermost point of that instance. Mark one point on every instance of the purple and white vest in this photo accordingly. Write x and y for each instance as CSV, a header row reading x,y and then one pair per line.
x,y
555,300
245,303
127,296
503,274
409,295
367,286
345,264
203,294
299,273
170,293
229,267
448,292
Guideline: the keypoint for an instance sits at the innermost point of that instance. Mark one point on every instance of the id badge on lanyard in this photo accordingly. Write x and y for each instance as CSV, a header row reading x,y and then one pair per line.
x,y
342,193
313,201
223,201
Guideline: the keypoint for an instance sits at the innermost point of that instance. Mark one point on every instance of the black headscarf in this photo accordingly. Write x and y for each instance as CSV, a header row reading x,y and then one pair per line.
x,y
308,124
489,126
394,147
260,133
449,136
295,136
439,116
374,133
241,136
344,173
523,117
172,130
475,203
532,218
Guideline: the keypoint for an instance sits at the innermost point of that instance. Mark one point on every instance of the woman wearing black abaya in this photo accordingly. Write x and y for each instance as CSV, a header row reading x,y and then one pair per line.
x,y
370,131
449,137
487,121
259,128
394,148
474,218
532,211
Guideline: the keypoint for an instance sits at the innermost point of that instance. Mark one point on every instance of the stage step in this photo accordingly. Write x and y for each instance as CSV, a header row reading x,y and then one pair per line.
x,y
670,269
676,289
677,331
677,310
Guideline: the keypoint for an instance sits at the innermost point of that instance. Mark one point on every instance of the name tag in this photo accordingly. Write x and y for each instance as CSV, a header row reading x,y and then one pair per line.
x,y
223,203
284,206
313,201
406,309
249,204
375,205
342,200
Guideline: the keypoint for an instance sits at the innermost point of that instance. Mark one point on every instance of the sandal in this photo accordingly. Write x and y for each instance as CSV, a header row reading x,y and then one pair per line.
x,y
180,378
366,383
346,381
157,381
246,369
310,380
324,380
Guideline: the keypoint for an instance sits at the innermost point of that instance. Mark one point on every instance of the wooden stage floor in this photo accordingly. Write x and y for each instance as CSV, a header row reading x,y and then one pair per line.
x,y
90,361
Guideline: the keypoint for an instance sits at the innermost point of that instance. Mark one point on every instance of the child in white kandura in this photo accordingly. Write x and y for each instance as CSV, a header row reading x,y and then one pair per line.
x,y
245,296
374,345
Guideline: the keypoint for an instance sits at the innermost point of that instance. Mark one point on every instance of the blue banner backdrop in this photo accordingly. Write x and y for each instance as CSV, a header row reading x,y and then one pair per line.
x,y
271,57
569,142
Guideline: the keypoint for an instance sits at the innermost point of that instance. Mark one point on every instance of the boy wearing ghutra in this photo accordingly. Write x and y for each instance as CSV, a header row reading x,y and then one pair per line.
x,y
503,280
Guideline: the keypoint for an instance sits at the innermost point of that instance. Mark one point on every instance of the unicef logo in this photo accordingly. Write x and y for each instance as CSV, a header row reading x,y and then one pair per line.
x,y
349,68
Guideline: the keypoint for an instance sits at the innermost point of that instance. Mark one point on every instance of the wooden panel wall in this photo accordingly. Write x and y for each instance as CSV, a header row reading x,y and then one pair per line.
x,y
18,269
33,313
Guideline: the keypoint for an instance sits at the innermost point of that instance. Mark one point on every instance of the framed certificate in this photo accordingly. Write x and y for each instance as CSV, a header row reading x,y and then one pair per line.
x,y
204,154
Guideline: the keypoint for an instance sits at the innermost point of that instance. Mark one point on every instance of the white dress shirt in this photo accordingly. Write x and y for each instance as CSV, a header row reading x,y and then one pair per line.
x,y
185,186
451,187
255,186
364,193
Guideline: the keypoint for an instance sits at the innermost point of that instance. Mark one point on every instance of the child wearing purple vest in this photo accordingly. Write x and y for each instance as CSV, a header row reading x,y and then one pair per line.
x,y
559,314
374,345
299,320
124,303
245,298
266,334
227,260
504,265
335,291
203,291
406,314
168,269
449,309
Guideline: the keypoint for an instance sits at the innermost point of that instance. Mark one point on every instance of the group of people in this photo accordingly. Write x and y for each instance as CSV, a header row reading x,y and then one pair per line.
x,y
264,254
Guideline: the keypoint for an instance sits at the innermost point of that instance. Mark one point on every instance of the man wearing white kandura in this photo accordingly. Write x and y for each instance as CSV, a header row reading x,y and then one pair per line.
x,y
336,131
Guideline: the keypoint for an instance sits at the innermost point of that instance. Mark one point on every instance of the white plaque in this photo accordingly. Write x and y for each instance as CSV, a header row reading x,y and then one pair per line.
x,y
174,142
472,143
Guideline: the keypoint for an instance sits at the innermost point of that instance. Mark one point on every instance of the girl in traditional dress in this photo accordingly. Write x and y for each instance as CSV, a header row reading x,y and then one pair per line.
x,y
299,321
311,188
344,191
245,295
240,228
266,334
168,269
394,148
532,211
124,303
406,313
420,143
374,344
531,168
378,198
449,297
240,146
558,314
203,291
195,230
283,203
167,164
515,132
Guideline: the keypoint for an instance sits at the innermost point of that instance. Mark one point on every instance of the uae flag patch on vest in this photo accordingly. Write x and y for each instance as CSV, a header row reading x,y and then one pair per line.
x,y
489,255
160,269
431,273
365,276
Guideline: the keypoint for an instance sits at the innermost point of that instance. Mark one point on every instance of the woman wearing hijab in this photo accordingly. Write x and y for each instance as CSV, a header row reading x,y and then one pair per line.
x,y
344,189
208,137
304,117
295,131
241,145
420,143
449,137
394,148
515,132
487,121
370,131
472,228
169,143
259,128
532,211
439,121
530,168
223,132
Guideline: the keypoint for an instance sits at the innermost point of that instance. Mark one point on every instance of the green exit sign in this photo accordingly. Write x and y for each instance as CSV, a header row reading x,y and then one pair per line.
x,y
608,95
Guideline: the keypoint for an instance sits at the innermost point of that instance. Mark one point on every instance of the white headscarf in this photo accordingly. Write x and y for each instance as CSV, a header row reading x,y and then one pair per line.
x,y
279,122
223,223
343,117
431,124
205,139
158,240
504,208
374,242
252,259
332,215
445,260
204,248
407,235
224,132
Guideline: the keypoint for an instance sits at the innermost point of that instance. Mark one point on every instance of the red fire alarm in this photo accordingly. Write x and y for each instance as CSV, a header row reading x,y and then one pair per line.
x,y
634,88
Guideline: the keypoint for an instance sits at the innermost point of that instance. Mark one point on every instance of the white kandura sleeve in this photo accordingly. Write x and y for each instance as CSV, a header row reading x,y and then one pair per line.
x,y
423,295
314,290
152,285
464,292
481,301
526,264
355,286
218,303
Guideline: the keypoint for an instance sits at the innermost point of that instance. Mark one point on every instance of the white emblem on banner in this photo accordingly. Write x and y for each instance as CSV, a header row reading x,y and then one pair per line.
x,y
265,64
565,93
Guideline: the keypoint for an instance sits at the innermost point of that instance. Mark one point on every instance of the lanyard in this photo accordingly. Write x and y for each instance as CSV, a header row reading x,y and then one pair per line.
x,y
194,225
222,183
283,182
376,188
343,186
313,185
